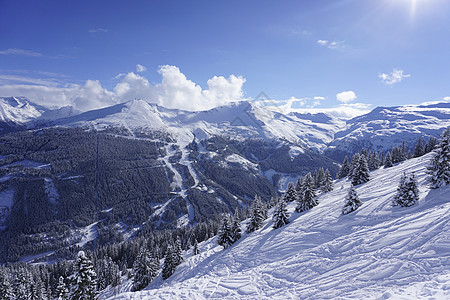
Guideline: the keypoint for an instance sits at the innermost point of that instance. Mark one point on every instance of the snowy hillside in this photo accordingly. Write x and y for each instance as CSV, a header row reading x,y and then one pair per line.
x,y
386,127
376,252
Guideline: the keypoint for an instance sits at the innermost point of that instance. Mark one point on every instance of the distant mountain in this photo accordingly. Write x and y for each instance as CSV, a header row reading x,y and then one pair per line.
x,y
386,127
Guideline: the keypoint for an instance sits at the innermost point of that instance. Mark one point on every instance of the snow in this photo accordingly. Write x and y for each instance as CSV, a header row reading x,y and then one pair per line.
x,y
27,164
245,163
376,252
18,110
89,233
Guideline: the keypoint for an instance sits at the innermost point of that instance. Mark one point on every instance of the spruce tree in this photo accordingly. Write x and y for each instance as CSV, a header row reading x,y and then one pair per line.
x,y
374,161
353,165
352,201
6,289
257,215
178,253
195,249
407,191
62,293
419,150
431,144
169,264
85,282
439,168
290,195
236,227
308,199
145,268
299,185
360,173
224,236
345,168
280,215
388,160
327,182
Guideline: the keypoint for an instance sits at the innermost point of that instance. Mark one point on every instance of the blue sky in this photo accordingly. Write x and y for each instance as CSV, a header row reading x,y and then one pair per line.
x,y
380,52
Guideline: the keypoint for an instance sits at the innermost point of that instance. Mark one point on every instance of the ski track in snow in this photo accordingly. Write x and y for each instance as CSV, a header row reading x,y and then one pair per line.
x,y
376,252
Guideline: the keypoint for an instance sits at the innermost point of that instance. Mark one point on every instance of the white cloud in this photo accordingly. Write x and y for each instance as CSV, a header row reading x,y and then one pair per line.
x,y
343,111
97,30
174,91
140,68
446,98
331,44
21,52
319,98
394,77
346,97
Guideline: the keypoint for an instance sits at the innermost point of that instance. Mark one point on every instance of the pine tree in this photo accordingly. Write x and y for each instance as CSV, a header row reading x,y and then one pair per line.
x,y
22,284
403,152
388,160
360,173
145,268
308,199
195,250
224,236
374,161
429,146
85,281
6,289
320,178
352,201
345,168
439,168
290,195
62,293
327,182
299,185
407,191
257,215
280,215
353,165
169,265
236,227
419,150
178,253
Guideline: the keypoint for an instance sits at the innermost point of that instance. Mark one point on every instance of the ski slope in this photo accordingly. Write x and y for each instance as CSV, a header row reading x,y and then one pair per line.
x,y
376,252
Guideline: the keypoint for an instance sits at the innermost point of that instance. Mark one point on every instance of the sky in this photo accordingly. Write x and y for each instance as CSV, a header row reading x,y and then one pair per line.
x,y
340,56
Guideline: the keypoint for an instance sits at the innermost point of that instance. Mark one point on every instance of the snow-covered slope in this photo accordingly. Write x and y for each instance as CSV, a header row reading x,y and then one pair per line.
x,y
386,127
376,252
18,110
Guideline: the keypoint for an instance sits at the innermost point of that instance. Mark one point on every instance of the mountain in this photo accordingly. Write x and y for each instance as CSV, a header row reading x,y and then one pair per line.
x,y
386,127
142,167
377,252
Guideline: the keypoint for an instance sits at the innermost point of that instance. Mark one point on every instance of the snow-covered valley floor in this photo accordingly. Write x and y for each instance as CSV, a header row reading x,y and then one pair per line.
x,y
376,252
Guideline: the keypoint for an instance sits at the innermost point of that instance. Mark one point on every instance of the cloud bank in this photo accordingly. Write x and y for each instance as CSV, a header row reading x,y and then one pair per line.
x,y
174,91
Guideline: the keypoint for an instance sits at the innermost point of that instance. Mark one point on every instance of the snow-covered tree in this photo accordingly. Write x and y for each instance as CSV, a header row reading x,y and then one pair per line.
x,y
309,198
327,182
85,278
280,215
257,215
429,146
353,164
290,195
299,185
62,293
388,160
407,191
6,289
439,168
224,235
235,227
374,161
195,249
345,168
360,172
172,259
419,150
145,268
352,201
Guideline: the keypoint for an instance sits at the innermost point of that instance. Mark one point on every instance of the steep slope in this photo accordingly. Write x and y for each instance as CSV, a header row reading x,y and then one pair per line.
x,y
386,127
376,252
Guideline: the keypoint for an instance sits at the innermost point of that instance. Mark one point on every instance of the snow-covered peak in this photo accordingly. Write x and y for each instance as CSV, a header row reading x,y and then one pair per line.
x,y
19,110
